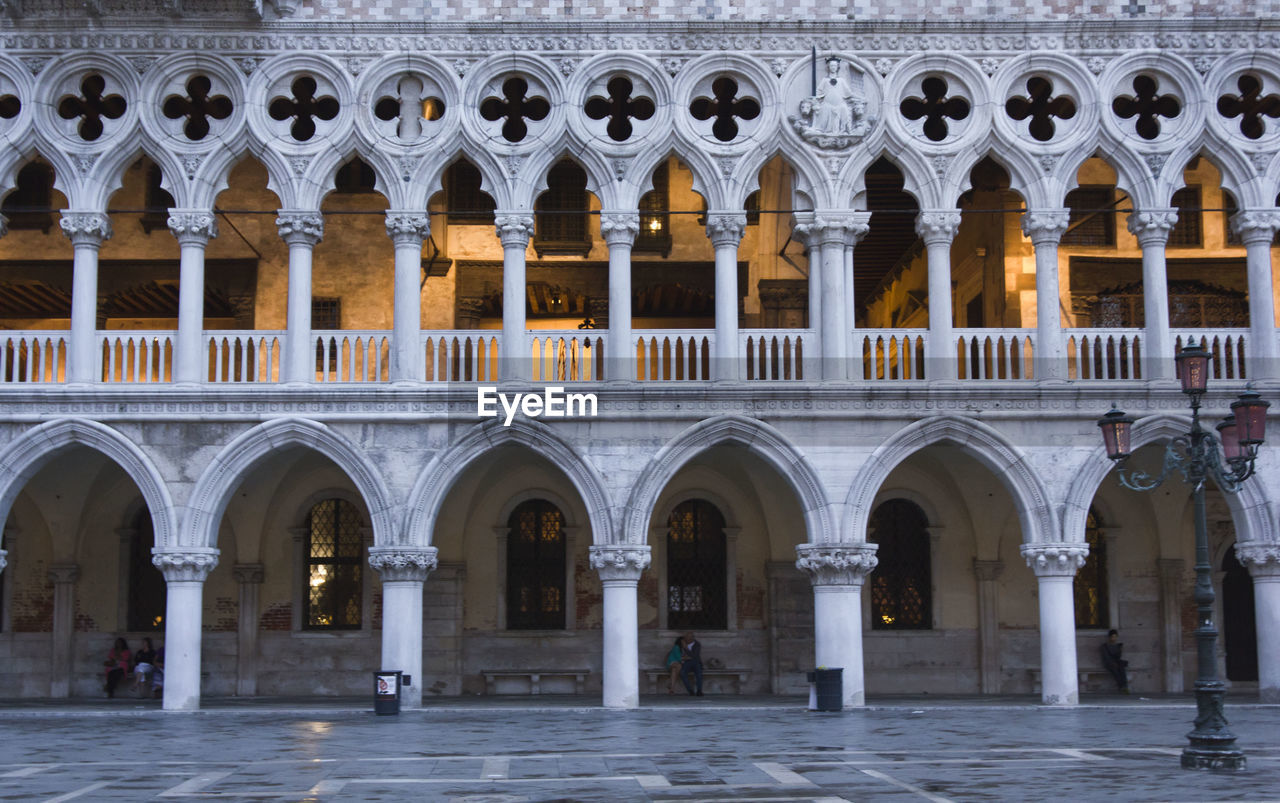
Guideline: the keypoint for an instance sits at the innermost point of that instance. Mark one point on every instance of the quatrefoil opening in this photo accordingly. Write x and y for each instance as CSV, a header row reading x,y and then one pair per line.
x,y
725,107
91,107
619,107
198,107
9,107
409,107
304,107
1040,107
1147,105
935,108
516,108
1251,106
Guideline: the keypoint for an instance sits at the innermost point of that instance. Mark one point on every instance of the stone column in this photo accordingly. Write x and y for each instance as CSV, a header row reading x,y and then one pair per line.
x,y
1152,227
87,232
802,233
725,229
837,574
830,237
988,573
1256,229
249,576
938,227
619,566
403,569
184,573
1263,562
64,577
1171,585
1055,566
514,231
407,230
192,228
619,229
1045,227
301,230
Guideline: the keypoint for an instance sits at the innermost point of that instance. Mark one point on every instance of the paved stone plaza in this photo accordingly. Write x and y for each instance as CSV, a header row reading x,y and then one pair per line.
x,y
674,750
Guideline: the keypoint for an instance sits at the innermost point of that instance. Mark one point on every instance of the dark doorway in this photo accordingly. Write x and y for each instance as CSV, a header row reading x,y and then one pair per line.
x,y
1239,625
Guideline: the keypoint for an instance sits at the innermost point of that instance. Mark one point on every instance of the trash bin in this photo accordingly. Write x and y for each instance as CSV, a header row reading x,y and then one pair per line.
x,y
386,691
828,689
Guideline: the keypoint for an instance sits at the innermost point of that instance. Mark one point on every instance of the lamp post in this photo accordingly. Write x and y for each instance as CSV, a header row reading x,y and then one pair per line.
x,y
1196,456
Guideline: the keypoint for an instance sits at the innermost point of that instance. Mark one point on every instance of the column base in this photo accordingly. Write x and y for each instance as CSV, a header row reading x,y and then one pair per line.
x,y
1202,759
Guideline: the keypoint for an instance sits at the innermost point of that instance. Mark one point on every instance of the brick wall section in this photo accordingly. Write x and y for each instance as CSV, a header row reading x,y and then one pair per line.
x,y
33,602
226,616
277,617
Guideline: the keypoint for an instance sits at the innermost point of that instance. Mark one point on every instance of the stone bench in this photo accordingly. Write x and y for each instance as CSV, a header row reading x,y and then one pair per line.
x,y
1082,678
535,676
658,678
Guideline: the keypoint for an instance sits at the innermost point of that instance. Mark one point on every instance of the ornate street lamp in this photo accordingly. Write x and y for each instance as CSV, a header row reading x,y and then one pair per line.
x,y
1196,456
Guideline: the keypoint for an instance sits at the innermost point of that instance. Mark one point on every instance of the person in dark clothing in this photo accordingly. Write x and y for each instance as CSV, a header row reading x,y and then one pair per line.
x,y
1113,663
692,664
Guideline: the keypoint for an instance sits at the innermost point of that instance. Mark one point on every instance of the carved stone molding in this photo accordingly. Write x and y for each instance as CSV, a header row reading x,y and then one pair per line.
x,y
619,228
192,226
469,310
399,564
836,565
846,229
60,573
1152,226
620,562
1262,560
938,226
514,229
298,227
988,571
185,566
408,228
247,572
1055,560
1255,225
726,228
85,228
1045,225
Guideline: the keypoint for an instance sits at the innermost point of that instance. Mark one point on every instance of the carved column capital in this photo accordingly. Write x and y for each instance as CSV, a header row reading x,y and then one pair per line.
x,y
839,228
403,563
192,226
1261,559
85,228
514,228
620,561
1055,560
300,226
185,566
407,227
1045,225
247,572
60,573
619,228
836,565
1255,225
726,228
938,226
1152,226
988,571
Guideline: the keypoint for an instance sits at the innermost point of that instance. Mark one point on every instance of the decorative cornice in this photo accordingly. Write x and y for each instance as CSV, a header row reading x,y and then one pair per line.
x,y
185,566
1055,560
836,565
619,228
1152,226
60,573
1256,225
299,227
408,228
514,228
1045,225
620,562
938,226
400,564
247,572
85,228
1261,559
192,226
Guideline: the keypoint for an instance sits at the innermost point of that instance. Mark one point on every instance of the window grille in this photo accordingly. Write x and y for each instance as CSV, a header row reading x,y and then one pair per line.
x,y
326,314
1187,232
1088,225
156,203
30,205
147,592
752,208
355,177
536,567
655,220
335,560
560,220
697,595
1092,610
902,582
467,203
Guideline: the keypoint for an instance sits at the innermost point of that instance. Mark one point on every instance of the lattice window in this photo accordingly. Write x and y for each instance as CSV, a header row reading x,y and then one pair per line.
x,y
902,582
356,177
536,567
1092,610
147,592
697,596
30,205
335,560
157,201
655,220
467,203
1188,231
560,213
1093,221
752,207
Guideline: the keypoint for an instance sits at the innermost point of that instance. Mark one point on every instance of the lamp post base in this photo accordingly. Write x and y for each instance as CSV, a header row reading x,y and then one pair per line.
x,y
1199,759
1212,745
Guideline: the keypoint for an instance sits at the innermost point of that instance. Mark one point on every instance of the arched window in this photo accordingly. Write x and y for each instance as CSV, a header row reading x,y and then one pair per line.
x,y
697,597
902,582
535,567
147,590
1092,610
560,225
335,560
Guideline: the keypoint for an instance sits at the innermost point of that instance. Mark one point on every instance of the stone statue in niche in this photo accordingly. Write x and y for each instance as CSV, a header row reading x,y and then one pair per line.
x,y
835,115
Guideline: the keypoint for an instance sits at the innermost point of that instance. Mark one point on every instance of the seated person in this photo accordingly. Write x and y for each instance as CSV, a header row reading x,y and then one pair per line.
x,y
675,659
145,665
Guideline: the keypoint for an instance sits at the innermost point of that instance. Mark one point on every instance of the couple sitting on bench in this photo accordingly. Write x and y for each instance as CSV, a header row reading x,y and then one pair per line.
x,y
685,659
